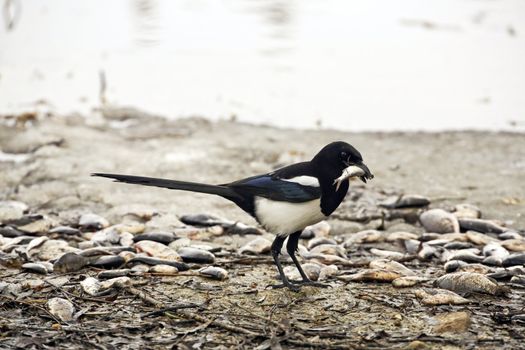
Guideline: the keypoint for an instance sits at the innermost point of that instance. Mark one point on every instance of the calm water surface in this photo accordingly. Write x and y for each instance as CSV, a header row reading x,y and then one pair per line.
x,y
353,65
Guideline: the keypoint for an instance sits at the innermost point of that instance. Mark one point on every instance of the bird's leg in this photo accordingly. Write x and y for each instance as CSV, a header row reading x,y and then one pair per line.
x,y
276,250
291,248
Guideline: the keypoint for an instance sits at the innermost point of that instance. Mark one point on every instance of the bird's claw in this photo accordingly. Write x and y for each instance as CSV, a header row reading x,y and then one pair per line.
x,y
292,287
312,284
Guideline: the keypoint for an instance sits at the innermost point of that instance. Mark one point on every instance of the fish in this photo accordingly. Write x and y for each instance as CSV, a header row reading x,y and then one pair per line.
x,y
156,261
440,297
353,171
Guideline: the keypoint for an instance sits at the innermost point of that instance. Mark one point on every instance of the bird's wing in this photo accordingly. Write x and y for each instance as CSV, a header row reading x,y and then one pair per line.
x,y
275,188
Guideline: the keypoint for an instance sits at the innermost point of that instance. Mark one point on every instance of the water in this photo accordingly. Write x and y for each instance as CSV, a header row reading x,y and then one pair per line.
x,y
351,65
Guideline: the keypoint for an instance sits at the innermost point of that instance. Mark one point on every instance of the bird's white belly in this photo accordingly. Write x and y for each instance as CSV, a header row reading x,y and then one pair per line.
x,y
284,218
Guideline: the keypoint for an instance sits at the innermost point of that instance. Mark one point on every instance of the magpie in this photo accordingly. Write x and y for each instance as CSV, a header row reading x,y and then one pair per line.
x,y
286,200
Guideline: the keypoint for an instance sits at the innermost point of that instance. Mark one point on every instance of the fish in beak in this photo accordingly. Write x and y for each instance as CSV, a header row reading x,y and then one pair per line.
x,y
354,170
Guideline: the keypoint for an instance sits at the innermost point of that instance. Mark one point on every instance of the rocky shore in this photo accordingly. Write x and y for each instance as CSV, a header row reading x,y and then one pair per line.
x,y
430,254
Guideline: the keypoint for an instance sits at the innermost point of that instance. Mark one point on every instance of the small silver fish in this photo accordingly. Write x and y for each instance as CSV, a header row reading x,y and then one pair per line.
x,y
360,171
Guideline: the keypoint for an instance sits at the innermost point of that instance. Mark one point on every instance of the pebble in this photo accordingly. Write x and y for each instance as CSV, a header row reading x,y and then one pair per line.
x,y
427,252
107,236
113,273
257,246
329,249
90,285
367,236
452,322
39,226
107,262
157,250
479,238
468,282
400,235
35,267
405,201
70,262
160,237
408,281
239,228
8,231
514,245
117,282
463,255
205,220
92,222
311,270
495,249
179,243
126,239
12,210
65,230
35,243
319,230
387,254
61,308
514,259
507,235
454,265
156,261
467,211
195,255
371,275
53,249
167,269
388,265
439,221
328,271
326,259
214,272
480,225
320,240
435,297
458,245
477,268
518,280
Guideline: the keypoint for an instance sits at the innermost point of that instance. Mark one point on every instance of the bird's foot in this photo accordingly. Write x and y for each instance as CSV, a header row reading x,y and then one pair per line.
x,y
292,287
312,283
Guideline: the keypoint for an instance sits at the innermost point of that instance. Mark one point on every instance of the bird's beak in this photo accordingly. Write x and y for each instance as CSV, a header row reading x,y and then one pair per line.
x,y
368,175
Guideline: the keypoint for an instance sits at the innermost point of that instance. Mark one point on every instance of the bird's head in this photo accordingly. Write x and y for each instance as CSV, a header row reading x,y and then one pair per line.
x,y
340,159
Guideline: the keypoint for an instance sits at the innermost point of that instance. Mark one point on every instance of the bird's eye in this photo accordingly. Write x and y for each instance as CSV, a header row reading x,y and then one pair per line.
x,y
344,155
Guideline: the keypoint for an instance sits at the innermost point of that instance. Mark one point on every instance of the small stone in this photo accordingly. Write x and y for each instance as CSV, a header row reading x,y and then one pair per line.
x,y
408,281
214,272
320,240
108,262
157,250
467,211
328,272
39,226
439,221
65,230
35,267
321,229
312,271
117,282
160,237
388,265
469,282
90,285
257,246
194,255
53,249
167,269
70,262
11,210
113,273
61,308
371,275
92,222
454,322
440,297
400,235
405,201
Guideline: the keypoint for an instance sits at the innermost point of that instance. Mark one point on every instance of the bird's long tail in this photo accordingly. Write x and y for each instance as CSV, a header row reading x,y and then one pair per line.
x,y
223,191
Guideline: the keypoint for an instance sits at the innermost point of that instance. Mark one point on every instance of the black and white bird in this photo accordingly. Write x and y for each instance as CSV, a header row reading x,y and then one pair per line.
x,y
286,200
